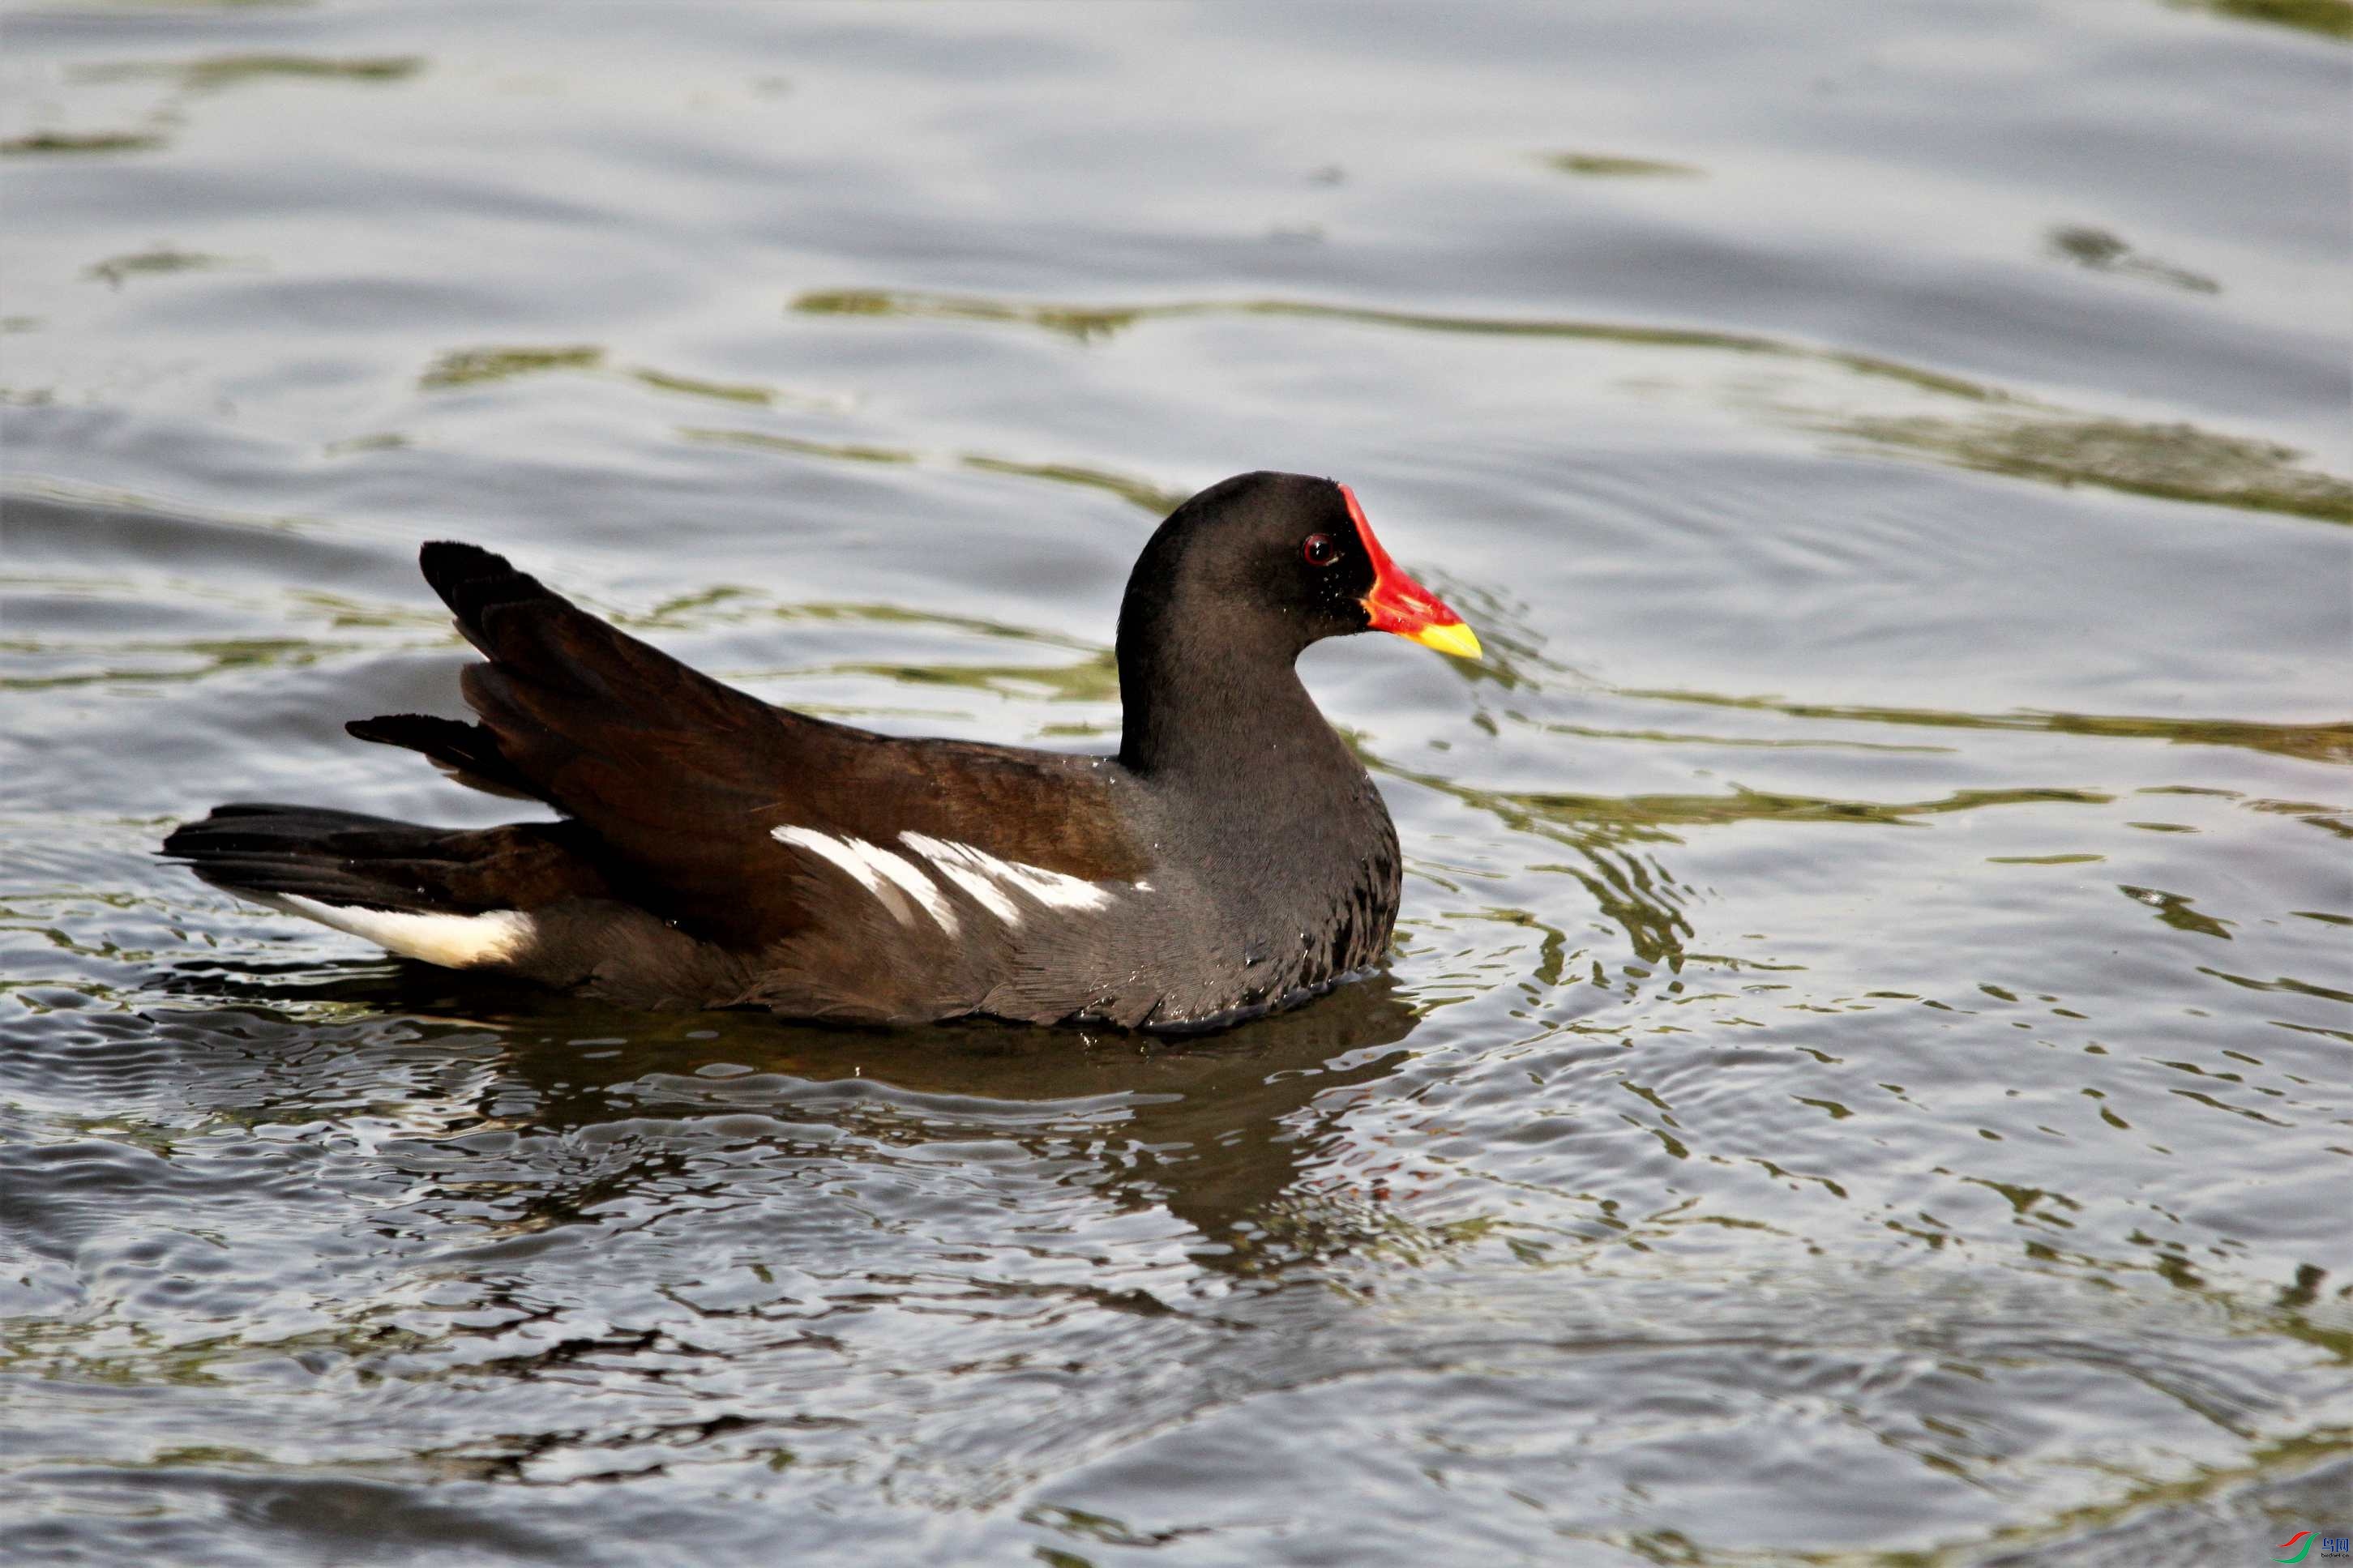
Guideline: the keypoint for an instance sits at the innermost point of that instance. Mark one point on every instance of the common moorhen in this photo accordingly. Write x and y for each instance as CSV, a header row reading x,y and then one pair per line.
x,y
714,850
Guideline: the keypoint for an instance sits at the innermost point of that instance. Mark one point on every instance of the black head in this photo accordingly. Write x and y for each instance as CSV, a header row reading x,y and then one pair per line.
x,y
1272,562
1228,592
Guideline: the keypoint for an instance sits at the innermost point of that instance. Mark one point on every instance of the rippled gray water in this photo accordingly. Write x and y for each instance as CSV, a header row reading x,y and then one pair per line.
x,y
1865,1073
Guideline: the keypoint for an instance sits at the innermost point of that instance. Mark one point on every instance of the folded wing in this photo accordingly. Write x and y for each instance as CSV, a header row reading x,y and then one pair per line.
x,y
735,819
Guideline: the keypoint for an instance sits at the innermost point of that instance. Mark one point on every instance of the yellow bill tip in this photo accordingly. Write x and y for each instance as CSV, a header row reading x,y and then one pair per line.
x,y
1455,638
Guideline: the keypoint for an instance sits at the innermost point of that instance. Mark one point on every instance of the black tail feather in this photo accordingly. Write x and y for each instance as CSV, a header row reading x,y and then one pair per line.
x,y
516,621
473,581
336,856
467,752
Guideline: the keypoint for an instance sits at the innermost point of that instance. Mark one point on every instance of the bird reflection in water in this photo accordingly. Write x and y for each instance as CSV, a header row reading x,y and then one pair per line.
x,y
1226,1132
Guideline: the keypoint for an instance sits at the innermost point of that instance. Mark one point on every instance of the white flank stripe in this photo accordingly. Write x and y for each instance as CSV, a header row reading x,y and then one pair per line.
x,y
950,861
975,870
879,871
844,853
1055,890
921,888
454,942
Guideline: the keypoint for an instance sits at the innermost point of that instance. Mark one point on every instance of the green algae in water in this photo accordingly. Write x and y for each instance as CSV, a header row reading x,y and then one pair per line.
x,y
2179,462
381,441
692,386
1150,497
800,446
213,72
2076,859
1607,166
473,367
1089,323
2329,18
2330,742
2101,251
48,144
204,657
466,367
2172,462
162,259
1077,321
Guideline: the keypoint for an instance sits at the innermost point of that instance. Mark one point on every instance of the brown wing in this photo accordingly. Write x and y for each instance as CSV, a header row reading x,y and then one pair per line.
x,y
682,778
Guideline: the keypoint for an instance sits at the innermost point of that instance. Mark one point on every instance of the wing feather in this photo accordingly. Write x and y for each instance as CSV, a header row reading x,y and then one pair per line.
x,y
684,779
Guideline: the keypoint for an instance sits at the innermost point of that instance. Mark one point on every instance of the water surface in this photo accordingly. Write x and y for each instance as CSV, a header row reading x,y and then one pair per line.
x,y
1864,1075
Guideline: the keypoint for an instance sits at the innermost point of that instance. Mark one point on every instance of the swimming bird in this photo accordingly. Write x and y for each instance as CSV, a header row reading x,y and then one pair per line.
x,y
714,850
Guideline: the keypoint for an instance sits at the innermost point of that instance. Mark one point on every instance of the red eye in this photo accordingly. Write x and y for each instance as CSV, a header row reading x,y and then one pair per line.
x,y
1320,549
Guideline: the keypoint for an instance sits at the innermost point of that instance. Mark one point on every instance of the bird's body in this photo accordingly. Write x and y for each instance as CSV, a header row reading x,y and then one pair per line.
x,y
719,851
